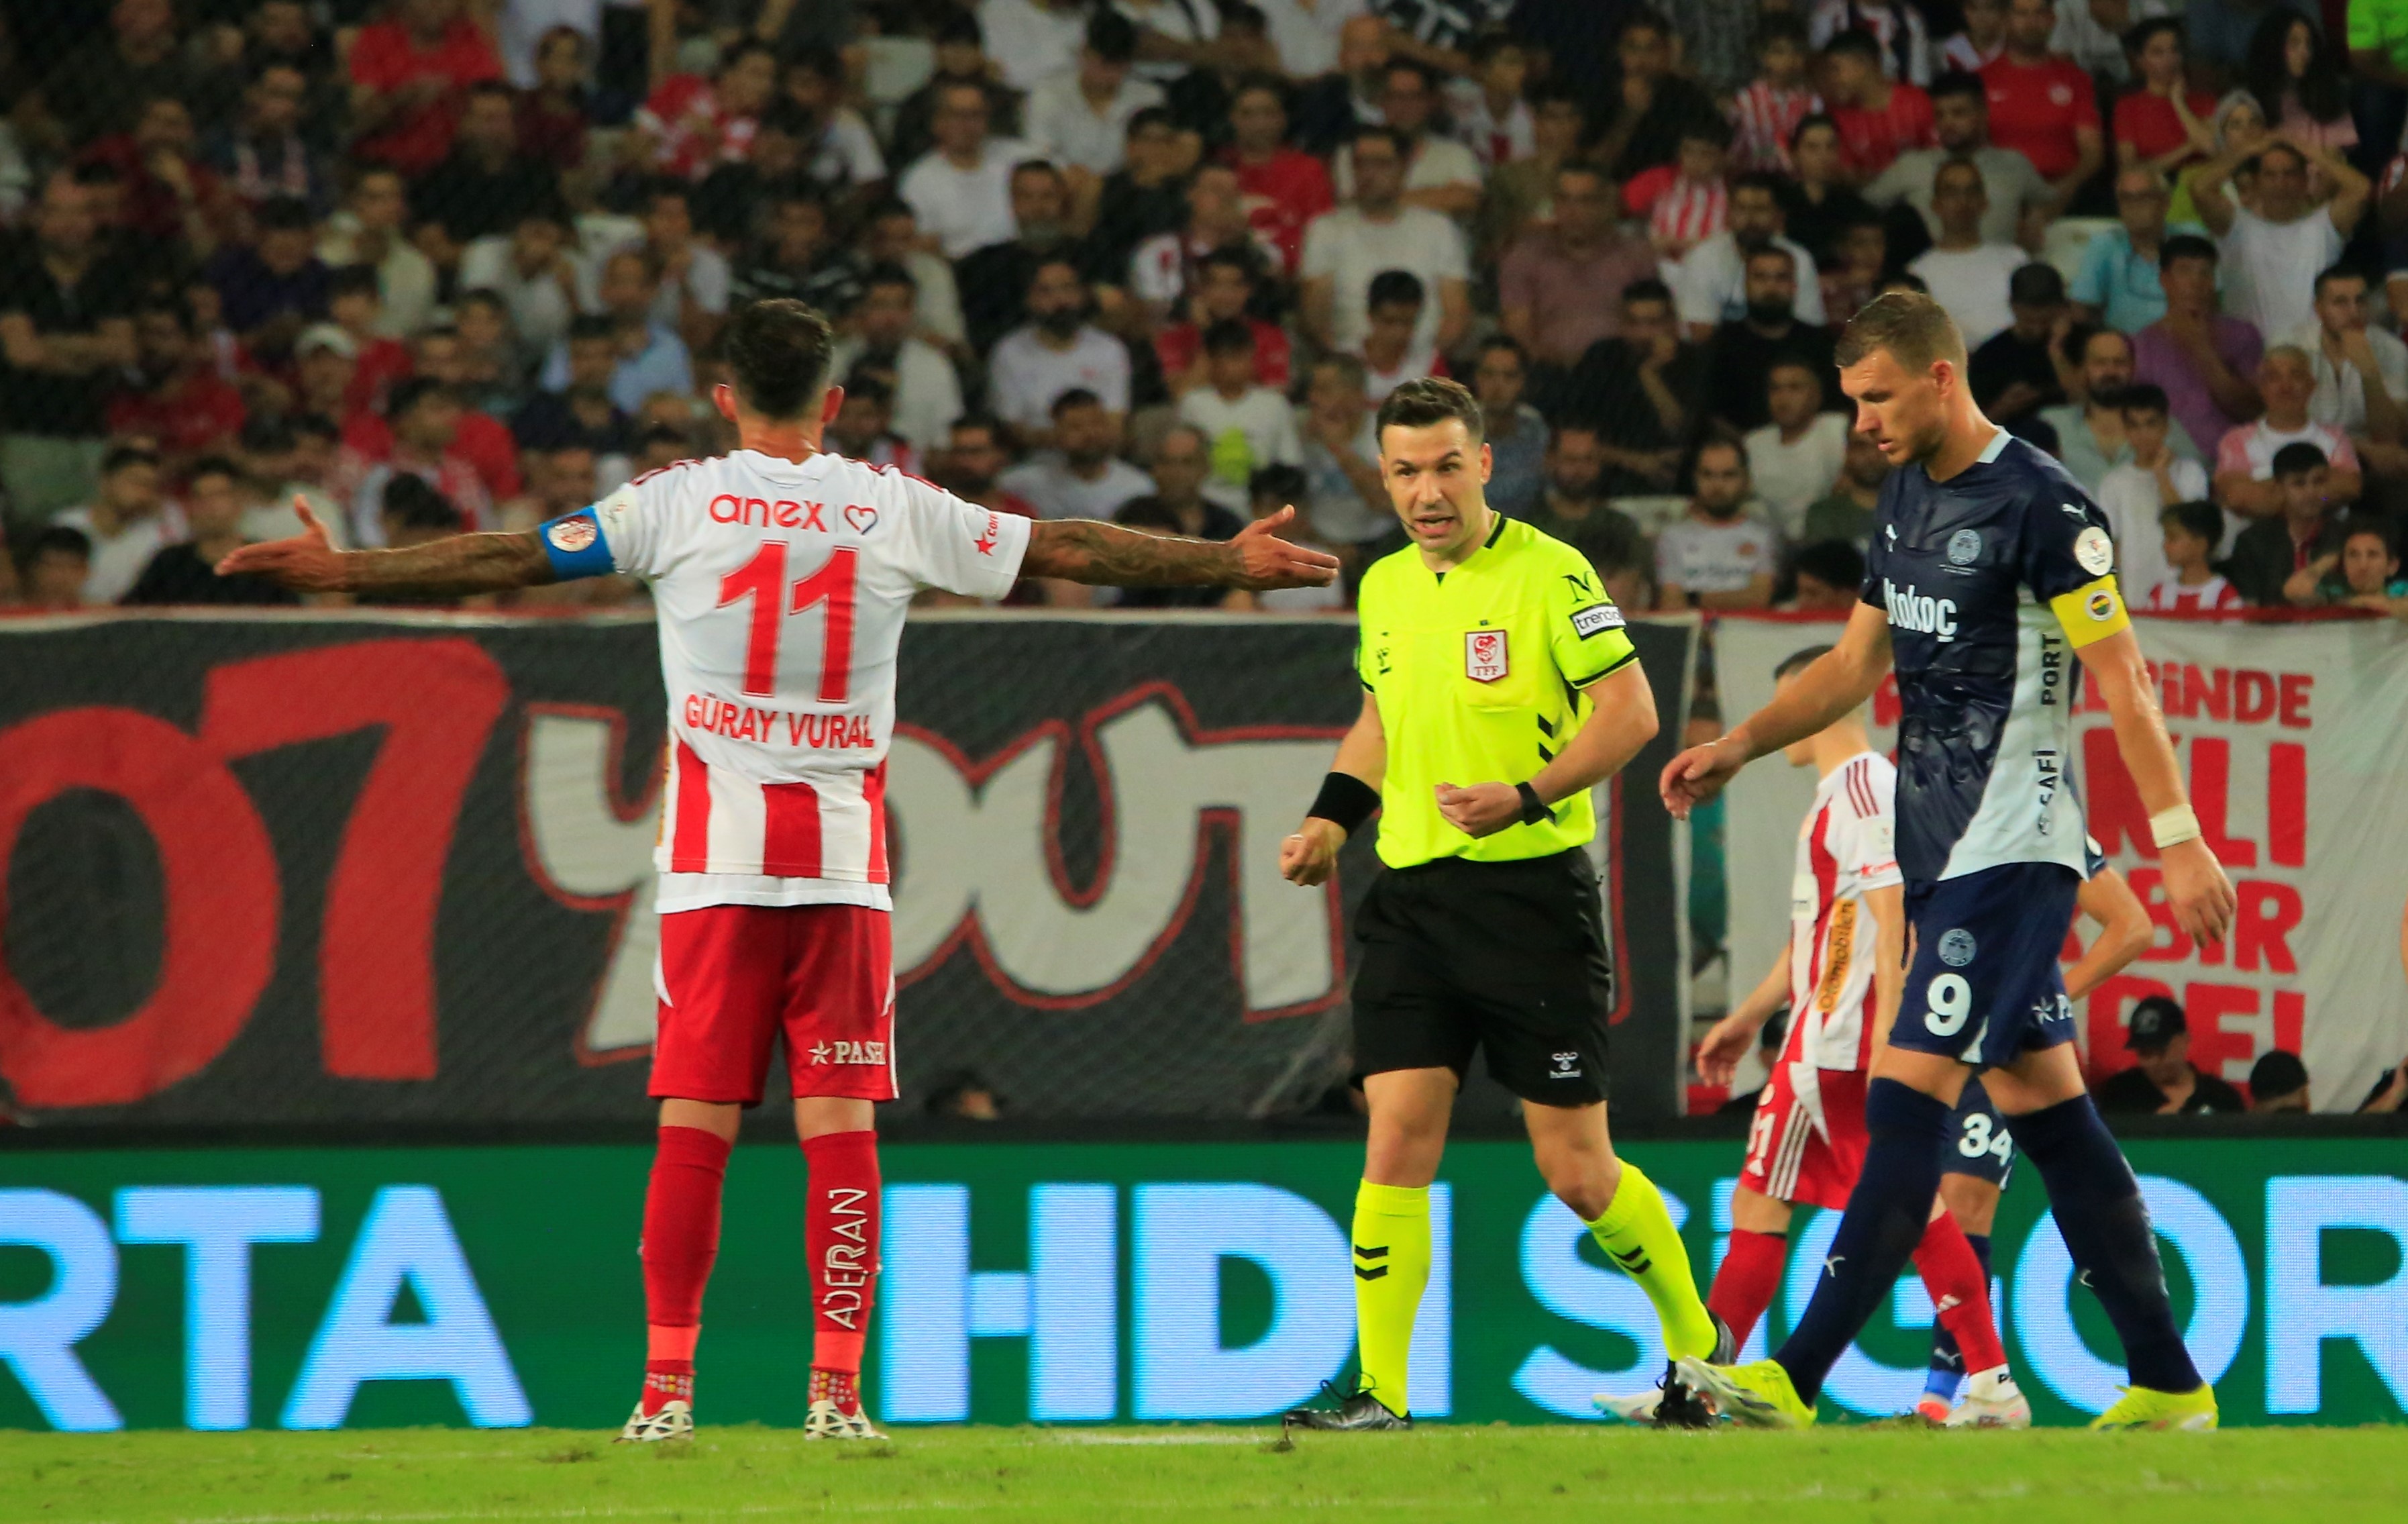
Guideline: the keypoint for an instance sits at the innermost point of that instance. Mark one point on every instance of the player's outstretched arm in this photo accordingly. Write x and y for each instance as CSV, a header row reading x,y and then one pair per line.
x,y
2197,890
1887,905
1311,854
2125,932
1727,1041
1107,555
308,563
1622,721
1839,681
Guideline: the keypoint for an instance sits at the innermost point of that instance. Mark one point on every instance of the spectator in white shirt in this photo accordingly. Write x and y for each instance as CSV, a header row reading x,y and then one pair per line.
x,y
1795,457
2245,459
2271,251
1392,352
1030,39
531,270
1713,278
1056,350
2135,495
1082,477
1345,250
2188,538
1080,118
2361,372
1439,172
125,524
1245,425
1716,555
960,191
1964,274
927,393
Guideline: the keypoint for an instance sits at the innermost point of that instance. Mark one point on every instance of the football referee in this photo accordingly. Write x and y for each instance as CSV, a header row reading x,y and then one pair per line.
x,y
1500,687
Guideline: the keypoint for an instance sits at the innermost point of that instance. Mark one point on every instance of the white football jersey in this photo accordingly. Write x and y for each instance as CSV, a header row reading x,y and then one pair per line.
x,y
1846,847
781,588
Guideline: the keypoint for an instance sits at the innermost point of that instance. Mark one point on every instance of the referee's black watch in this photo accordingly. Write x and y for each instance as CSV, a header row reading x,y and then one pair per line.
x,y
1534,809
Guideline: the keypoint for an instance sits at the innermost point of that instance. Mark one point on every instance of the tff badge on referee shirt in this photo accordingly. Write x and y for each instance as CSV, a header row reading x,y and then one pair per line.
x,y
1484,658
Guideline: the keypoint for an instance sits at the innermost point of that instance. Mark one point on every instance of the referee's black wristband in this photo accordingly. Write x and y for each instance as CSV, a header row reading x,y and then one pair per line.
x,y
1534,809
1345,800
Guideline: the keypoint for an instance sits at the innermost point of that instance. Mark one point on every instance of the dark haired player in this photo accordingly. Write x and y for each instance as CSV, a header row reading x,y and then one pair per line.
x,y
1990,575
1499,687
780,573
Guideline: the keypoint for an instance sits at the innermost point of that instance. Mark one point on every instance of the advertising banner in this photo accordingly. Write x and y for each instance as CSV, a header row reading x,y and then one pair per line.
x,y
1080,1284
2289,736
361,870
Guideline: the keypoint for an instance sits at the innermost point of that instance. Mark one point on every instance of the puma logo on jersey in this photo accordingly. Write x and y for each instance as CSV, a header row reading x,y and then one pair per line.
x,y
1919,612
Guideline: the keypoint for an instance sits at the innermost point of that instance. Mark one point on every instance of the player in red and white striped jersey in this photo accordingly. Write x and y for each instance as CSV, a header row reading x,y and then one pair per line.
x,y
780,574
1847,924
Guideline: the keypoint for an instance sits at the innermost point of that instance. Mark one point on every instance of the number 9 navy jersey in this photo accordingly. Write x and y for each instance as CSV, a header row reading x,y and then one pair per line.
x,y
1990,581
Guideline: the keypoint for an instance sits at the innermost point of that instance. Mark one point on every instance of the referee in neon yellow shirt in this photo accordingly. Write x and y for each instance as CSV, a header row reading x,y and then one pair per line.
x,y
1499,687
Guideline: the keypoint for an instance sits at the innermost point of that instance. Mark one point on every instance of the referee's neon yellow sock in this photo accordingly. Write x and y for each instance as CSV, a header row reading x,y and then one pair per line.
x,y
1637,1233
1392,1265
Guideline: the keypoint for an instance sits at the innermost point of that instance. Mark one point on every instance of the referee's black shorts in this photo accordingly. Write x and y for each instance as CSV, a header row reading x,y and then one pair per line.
x,y
1508,956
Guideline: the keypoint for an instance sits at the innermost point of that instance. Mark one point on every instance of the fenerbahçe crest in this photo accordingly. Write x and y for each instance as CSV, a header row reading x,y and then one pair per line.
x,y
1484,658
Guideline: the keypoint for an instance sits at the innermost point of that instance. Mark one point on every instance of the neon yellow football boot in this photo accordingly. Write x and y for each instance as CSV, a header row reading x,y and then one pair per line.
x,y
1760,1396
2141,1407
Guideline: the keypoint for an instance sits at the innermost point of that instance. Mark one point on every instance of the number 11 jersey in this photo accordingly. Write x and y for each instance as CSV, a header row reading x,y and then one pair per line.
x,y
781,589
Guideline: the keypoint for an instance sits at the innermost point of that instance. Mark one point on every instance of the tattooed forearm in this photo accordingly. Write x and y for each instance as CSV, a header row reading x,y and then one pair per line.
x,y
461,564
1106,555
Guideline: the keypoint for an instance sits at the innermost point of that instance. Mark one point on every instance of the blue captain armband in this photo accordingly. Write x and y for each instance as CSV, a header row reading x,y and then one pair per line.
x,y
574,544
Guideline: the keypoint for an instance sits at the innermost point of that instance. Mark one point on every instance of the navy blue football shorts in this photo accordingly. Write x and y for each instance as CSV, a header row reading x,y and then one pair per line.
x,y
1979,1144
1984,988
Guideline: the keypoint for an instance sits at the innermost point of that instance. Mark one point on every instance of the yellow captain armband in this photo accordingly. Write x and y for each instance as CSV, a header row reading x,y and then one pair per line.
x,y
2092,611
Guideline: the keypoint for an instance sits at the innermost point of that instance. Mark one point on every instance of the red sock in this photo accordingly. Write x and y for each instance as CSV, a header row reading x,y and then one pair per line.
x,y
681,1241
1960,1291
840,1241
1750,1274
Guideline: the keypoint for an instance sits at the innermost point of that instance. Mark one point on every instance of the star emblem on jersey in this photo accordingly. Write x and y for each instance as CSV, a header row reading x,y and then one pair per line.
x,y
569,535
862,517
1485,657
985,544
819,1053
1964,547
2093,551
1957,947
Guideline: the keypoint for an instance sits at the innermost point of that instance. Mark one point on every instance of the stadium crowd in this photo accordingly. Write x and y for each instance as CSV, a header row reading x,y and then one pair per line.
x,y
444,265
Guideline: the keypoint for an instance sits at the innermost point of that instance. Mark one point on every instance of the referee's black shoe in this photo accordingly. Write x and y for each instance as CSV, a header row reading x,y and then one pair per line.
x,y
1680,1407
1351,1413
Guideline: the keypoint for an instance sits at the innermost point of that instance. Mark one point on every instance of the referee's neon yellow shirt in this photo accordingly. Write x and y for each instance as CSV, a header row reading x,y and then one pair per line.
x,y
1478,672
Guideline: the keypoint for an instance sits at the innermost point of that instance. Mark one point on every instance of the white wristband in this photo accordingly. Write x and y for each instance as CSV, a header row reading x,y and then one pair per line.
x,y
2171,828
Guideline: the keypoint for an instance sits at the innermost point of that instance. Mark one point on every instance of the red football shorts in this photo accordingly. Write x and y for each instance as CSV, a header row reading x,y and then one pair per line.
x,y
733,978
1790,1159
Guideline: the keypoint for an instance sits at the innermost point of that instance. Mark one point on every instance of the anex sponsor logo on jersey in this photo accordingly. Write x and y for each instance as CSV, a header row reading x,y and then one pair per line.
x,y
1916,612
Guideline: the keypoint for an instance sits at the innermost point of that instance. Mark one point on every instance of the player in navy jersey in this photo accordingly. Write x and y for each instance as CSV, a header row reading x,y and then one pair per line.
x,y
1991,577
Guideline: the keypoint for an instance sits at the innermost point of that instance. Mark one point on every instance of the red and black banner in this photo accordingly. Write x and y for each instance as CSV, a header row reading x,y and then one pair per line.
x,y
379,871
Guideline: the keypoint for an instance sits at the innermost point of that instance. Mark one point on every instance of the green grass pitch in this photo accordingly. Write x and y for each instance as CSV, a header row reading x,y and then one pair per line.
x,y
1862,1474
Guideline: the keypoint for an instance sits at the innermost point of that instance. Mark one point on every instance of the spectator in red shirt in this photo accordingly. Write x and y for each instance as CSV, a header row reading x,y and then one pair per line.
x,y
182,405
691,125
1284,188
480,440
1879,118
2043,105
1223,291
553,115
353,302
2161,123
409,73
165,191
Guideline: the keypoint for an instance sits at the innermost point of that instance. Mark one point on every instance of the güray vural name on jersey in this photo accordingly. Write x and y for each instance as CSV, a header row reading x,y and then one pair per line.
x,y
717,716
